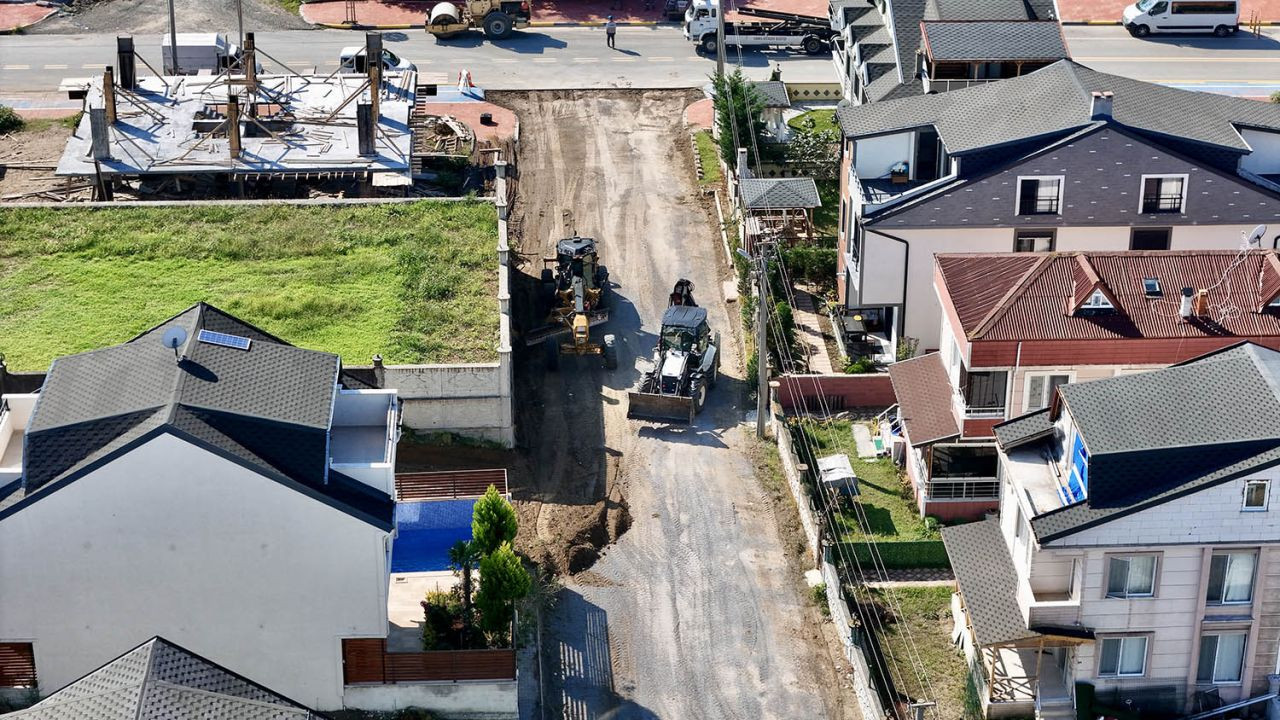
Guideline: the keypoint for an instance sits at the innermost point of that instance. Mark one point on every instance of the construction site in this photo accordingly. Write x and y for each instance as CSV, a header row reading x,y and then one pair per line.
x,y
231,130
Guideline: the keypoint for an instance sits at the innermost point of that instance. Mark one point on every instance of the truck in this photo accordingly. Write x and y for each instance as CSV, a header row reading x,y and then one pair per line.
x,y
686,363
766,28
497,18
197,52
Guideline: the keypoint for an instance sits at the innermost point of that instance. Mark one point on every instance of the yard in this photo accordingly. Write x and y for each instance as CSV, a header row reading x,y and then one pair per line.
x,y
822,120
921,629
416,283
709,154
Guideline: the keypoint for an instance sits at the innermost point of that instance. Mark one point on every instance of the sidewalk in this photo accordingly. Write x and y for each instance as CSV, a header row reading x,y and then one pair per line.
x,y
1109,11
407,14
809,332
16,16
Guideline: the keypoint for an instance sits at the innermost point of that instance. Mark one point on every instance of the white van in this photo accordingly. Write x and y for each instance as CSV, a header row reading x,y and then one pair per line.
x,y
1220,17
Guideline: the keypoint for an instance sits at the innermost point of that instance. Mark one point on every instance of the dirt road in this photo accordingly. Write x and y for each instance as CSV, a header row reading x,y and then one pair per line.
x,y
140,17
693,612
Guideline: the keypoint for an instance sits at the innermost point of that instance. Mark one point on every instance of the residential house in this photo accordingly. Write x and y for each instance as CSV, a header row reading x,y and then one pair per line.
x,y
205,481
899,48
1064,158
161,680
1015,326
1136,549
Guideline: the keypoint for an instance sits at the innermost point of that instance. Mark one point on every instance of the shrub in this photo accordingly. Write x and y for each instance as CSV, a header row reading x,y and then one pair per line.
x,y
440,610
1275,97
907,347
493,522
10,120
815,264
861,366
932,523
503,582
818,593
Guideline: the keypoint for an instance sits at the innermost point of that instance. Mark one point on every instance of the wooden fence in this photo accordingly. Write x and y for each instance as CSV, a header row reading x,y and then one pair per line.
x,y
366,660
449,484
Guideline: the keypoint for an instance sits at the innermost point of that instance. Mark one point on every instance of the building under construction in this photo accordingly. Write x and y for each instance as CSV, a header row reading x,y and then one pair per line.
x,y
242,125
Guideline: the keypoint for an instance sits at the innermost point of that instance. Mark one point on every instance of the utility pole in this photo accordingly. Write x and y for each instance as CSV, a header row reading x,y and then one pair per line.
x,y
240,20
173,40
718,8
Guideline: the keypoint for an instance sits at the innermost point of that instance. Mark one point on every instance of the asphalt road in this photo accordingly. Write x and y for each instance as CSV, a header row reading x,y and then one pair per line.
x,y
648,57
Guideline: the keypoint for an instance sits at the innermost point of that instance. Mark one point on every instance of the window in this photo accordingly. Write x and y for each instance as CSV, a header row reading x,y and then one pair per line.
x,y
1033,241
1040,388
1255,495
1231,578
1221,657
1039,195
1131,576
1224,7
1096,304
986,391
17,665
1163,193
1150,238
1078,480
1123,656
1151,287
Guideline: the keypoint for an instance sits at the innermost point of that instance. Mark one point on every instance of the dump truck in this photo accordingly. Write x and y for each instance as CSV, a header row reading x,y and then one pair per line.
x,y
762,28
574,289
497,18
686,363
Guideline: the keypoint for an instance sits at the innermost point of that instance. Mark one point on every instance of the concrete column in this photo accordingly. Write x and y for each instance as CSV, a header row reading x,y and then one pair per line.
x,y
127,62
109,93
98,130
366,122
233,125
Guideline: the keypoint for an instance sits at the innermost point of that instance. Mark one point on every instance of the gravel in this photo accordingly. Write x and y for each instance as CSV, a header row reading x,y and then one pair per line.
x,y
138,17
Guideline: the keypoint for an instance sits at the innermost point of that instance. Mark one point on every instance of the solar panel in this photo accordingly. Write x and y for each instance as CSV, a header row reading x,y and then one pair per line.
x,y
223,339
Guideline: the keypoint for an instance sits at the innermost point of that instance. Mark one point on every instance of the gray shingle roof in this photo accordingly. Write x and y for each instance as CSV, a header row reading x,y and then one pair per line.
x,y
1031,426
989,10
987,581
268,408
773,93
162,681
994,40
766,193
1056,99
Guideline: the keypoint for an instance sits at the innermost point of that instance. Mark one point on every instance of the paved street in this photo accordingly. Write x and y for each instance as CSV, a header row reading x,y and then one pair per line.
x,y
649,57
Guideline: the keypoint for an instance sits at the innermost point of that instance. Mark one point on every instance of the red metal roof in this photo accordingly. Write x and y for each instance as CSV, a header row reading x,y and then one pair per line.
x,y
924,399
1020,296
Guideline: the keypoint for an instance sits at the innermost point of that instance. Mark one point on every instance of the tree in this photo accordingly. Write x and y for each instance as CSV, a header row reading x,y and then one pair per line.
x,y
817,151
493,522
463,557
503,581
738,114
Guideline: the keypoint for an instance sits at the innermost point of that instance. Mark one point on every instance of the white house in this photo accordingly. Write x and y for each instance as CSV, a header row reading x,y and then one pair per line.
x,y
1064,158
1137,549
206,482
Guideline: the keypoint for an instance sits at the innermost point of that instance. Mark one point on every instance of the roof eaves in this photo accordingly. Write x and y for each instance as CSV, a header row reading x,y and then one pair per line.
x,y
1273,263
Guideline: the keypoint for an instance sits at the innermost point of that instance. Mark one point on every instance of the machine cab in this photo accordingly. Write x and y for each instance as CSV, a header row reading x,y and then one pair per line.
x,y
685,329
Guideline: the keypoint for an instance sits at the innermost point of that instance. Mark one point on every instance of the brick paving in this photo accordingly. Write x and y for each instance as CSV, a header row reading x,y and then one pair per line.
x,y
413,14
809,332
700,114
1104,11
14,17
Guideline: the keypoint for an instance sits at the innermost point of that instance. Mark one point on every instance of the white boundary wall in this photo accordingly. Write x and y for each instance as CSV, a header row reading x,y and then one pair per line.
x,y
471,700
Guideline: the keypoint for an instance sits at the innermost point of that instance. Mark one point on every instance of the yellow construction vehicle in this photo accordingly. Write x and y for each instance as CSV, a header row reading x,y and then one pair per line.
x,y
575,288
496,17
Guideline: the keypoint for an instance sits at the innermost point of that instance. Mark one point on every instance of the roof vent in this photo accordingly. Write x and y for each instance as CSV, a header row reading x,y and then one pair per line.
x,y
1101,107
223,339
1185,308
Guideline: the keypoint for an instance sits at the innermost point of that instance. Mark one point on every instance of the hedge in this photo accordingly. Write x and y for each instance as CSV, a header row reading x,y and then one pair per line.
x,y
904,554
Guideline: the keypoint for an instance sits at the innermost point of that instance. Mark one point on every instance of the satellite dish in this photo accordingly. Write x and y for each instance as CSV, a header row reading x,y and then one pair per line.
x,y
1255,237
174,337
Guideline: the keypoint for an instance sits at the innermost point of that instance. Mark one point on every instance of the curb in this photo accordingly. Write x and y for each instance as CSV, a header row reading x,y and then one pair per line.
x,y
412,26
361,26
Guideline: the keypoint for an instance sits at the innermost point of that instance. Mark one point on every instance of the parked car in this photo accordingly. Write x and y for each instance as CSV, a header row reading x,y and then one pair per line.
x,y
352,60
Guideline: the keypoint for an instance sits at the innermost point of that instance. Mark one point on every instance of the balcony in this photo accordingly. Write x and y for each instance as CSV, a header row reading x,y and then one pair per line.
x,y
946,85
1159,204
976,410
15,413
363,436
1039,206
1048,609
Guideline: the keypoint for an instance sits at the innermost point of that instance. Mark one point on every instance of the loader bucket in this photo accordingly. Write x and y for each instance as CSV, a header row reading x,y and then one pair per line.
x,y
651,406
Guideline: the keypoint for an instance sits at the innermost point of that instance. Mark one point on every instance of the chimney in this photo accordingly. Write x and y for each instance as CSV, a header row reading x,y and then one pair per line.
x,y
1185,308
1101,107
366,128
233,125
1201,304
741,168
109,94
127,63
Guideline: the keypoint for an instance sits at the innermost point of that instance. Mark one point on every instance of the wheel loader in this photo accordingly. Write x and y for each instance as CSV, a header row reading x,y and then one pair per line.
x,y
686,363
497,18
575,290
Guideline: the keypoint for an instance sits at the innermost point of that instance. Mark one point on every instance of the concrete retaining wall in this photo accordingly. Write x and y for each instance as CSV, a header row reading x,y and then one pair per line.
x,y
472,700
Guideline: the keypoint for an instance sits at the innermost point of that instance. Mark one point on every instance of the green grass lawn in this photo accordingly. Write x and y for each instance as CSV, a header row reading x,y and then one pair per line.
x,y
922,628
826,219
889,517
414,282
709,152
823,120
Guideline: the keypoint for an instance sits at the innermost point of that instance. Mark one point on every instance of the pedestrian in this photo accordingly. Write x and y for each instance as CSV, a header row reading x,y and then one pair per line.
x,y
610,30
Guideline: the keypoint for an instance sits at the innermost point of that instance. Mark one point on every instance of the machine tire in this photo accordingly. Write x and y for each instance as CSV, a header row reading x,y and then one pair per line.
x,y
1221,31
610,352
1140,31
715,374
708,45
497,25
552,350
698,390
812,44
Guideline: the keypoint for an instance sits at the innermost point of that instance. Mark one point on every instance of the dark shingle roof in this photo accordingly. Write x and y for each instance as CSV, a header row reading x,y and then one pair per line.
x,y
994,40
773,93
767,193
159,680
267,408
987,581
1026,428
924,399
1057,99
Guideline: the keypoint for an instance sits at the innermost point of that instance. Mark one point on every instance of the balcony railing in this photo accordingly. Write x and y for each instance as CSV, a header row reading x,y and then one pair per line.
x,y
942,85
1162,203
1038,206
366,660
963,488
974,412
1048,609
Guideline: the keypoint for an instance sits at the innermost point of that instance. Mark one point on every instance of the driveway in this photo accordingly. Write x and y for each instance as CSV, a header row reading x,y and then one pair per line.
x,y
694,609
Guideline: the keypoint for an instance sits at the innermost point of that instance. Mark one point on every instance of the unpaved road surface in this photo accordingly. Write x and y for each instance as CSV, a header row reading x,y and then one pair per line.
x,y
140,17
693,611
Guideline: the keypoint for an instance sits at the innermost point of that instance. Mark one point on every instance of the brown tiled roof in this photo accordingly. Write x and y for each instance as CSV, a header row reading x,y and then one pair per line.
x,y
924,399
1020,296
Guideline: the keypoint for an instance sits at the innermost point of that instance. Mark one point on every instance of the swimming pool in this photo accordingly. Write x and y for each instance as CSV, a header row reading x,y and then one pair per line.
x,y
426,531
